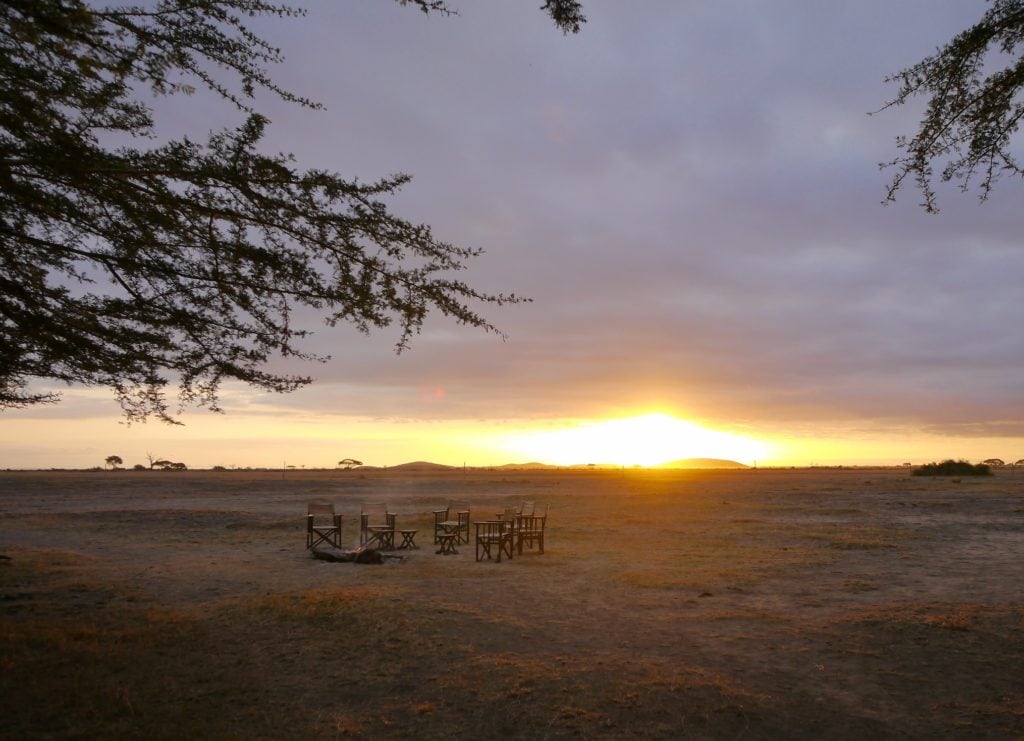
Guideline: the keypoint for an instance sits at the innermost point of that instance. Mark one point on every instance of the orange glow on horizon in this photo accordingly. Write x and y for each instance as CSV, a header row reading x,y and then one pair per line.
x,y
647,440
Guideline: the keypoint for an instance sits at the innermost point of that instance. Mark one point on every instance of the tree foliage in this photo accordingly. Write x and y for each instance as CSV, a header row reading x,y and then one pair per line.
x,y
951,467
140,264
974,107
567,14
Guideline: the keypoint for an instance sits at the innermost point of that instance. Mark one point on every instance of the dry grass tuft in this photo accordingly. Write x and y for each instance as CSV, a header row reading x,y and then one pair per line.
x,y
959,620
318,603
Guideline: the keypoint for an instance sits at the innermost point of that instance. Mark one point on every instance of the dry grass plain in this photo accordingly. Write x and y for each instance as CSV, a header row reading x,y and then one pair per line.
x,y
715,604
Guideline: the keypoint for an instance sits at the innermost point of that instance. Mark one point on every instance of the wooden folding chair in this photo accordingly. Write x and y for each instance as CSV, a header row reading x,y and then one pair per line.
x,y
322,525
380,536
496,537
530,530
453,519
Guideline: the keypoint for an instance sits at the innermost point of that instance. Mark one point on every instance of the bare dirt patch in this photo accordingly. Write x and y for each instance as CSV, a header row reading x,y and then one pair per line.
x,y
804,604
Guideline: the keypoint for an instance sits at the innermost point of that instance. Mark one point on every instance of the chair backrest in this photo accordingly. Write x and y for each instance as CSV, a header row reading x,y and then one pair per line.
x,y
375,515
459,511
325,509
535,523
509,518
489,529
527,508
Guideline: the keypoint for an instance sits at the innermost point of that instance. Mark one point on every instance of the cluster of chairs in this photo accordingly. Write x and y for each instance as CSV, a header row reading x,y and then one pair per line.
x,y
377,528
510,533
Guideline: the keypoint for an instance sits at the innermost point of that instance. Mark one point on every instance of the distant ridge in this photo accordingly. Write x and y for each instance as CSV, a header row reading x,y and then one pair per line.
x,y
701,463
420,466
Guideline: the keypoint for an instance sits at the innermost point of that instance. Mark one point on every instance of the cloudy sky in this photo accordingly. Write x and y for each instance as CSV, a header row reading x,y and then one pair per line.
x,y
690,194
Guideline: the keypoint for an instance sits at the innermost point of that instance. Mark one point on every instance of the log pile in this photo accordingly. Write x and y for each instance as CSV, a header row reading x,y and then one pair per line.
x,y
359,555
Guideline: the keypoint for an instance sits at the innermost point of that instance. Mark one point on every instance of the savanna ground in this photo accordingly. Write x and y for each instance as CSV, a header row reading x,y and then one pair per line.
x,y
716,604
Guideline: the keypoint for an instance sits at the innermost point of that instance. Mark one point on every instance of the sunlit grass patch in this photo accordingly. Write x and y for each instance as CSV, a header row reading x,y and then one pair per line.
x,y
1008,706
163,617
843,537
957,619
859,586
37,562
855,542
316,603
574,717
710,611
647,579
345,726
57,637
483,611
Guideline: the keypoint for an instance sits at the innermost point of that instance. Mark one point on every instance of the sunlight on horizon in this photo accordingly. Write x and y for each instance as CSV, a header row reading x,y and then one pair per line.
x,y
646,440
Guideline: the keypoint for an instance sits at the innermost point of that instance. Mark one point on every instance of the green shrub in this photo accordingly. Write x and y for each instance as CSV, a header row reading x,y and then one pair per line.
x,y
953,468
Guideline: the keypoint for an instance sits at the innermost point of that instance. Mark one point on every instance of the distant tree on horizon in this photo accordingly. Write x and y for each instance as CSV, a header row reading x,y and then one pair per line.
x,y
348,463
951,467
113,461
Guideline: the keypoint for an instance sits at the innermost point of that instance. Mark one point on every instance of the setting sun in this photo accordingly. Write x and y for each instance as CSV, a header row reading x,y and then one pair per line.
x,y
647,440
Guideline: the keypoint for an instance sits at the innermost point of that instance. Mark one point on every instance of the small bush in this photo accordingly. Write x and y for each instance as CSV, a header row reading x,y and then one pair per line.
x,y
953,468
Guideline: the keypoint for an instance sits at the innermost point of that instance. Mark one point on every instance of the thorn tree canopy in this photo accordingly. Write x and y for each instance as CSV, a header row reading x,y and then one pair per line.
x,y
135,265
973,86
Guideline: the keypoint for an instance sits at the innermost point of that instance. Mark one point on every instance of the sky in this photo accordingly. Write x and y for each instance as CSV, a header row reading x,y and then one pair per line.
x,y
690,194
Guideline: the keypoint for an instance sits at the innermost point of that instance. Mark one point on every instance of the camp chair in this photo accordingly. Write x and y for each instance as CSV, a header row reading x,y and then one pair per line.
x,y
380,535
495,537
530,530
453,519
322,525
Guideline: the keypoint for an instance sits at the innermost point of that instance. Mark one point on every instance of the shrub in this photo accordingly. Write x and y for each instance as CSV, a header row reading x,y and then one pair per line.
x,y
953,468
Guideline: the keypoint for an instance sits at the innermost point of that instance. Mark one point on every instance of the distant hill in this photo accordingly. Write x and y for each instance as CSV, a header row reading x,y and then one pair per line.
x,y
420,466
701,463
